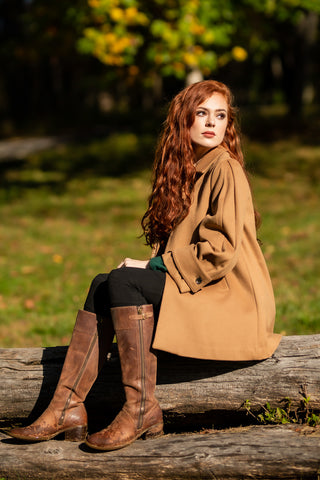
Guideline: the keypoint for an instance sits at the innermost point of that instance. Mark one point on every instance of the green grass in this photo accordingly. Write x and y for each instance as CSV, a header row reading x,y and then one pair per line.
x,y
75,211
287,193
53,244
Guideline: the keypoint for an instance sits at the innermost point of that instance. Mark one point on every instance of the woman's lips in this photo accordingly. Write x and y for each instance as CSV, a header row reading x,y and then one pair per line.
x,y
209,134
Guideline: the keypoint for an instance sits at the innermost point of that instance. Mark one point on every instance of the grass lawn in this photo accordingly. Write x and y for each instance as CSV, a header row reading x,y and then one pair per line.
x,y
71,213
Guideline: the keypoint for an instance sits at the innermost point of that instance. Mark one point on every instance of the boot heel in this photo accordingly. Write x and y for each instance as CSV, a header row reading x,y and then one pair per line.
x,y
154,431
76,434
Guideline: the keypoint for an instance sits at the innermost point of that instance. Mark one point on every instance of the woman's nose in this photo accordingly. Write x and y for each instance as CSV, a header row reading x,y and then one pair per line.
x,y
210,121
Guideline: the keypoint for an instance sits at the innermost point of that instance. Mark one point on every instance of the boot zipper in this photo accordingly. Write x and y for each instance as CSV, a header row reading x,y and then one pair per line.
x,y
143,373
74,386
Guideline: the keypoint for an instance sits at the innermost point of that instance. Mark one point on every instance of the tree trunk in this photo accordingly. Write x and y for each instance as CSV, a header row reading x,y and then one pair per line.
x,y
191,392
297,41
282,452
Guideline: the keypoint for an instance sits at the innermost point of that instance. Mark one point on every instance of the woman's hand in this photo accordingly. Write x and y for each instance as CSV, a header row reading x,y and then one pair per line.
x,y
131,262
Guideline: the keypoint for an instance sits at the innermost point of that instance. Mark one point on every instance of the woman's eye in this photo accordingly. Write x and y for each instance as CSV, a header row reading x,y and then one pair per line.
x,y
221,116
200,113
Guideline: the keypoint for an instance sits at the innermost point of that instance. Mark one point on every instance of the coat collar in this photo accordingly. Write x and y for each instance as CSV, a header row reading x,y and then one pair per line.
x,y
208,158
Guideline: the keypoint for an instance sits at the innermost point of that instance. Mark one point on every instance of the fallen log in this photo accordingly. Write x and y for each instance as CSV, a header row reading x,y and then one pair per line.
x,y
272,452
197,392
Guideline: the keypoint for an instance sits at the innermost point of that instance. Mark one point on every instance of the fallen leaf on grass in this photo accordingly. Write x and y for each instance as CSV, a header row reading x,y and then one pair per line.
x,y
29,304
27,269
3,305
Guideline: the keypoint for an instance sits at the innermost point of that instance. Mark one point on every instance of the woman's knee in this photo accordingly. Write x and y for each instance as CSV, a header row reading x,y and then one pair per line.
x,y
117,278
97,280
96,285
123,288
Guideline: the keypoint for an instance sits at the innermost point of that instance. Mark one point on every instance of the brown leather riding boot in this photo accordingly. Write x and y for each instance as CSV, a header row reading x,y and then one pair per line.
x,y
66,412
141,413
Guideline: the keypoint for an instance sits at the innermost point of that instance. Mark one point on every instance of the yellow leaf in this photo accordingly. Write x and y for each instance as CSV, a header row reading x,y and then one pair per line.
x,y
131,13
239,54
94,3
197,29
57,258
120,45
116,14
110,37
190,59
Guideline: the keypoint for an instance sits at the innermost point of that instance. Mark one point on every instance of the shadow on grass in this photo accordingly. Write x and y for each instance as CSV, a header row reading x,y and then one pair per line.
x,y
274,144
114,156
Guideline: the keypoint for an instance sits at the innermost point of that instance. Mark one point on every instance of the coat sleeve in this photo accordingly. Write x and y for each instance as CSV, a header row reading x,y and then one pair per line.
x,y
220,232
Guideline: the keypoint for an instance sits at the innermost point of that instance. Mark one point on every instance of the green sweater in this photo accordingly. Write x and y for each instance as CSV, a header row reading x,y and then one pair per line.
x,y
156,263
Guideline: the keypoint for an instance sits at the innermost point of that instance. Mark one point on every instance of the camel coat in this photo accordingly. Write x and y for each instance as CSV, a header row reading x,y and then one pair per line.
x,y
218,300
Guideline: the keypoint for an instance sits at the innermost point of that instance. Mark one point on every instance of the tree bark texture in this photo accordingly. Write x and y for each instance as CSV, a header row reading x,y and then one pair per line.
x,y
269,452
195,391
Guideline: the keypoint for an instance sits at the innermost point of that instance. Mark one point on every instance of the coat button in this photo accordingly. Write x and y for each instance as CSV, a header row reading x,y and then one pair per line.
x,y
198,280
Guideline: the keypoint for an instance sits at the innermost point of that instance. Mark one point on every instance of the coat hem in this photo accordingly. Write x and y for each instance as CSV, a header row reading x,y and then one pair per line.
x,y
225,357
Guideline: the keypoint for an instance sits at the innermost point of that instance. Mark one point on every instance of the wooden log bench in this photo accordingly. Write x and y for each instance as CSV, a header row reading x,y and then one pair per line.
x,y
256,452
194,395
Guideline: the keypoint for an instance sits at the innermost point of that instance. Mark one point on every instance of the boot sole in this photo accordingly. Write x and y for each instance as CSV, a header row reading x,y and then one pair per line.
x,y
73,434
148,433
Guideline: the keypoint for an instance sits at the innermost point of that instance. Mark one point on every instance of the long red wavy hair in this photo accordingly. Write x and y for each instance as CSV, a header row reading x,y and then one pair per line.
x,y
174,165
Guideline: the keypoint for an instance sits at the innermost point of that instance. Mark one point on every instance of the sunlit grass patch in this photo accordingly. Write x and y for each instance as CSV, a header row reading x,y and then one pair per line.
x,y
53,245
287,194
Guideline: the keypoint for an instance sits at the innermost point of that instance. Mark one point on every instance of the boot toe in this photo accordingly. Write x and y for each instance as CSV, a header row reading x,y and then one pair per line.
x,y
29,434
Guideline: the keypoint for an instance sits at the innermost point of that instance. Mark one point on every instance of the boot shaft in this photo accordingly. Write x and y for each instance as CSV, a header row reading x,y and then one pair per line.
x,y
66,412
134,327
87,351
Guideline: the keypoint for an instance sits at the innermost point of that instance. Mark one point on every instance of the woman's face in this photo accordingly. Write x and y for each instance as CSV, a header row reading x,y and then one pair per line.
x,y
210,123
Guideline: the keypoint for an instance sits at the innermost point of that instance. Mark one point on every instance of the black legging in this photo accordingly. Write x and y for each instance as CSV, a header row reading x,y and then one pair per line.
x,y
125,287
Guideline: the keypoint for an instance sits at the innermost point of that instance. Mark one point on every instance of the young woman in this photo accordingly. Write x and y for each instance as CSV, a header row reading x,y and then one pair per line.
x,y
205,293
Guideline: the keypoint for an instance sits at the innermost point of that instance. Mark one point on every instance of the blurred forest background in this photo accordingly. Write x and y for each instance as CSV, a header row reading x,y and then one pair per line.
x,y
84,88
